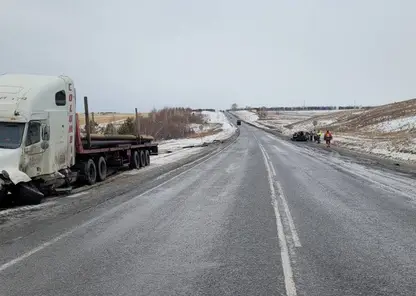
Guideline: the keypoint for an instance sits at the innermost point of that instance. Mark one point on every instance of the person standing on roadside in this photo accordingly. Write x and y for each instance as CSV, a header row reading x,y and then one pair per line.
x,y
328,138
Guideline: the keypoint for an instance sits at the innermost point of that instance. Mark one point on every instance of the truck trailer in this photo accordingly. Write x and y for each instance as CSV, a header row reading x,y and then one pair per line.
x,y
42,148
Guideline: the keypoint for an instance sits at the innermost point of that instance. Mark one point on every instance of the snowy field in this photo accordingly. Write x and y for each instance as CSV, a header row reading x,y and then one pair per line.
x,y
395,125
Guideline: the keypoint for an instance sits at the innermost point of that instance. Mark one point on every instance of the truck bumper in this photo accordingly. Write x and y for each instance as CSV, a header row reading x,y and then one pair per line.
x,y
15,175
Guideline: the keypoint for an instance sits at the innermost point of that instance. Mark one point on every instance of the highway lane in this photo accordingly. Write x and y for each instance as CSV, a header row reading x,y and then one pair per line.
x,y
264,217
356,224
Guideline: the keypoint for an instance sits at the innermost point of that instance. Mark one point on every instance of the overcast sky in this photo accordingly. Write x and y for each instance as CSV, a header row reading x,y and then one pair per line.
x,y
125,54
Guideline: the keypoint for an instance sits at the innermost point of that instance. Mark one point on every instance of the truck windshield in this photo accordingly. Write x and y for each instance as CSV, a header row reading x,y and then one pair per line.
x,y
11,134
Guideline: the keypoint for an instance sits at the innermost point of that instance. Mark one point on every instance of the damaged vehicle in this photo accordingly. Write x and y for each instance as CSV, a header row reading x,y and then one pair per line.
x,y
300,136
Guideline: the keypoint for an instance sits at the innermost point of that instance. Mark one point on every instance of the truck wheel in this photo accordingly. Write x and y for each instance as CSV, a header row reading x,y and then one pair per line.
x,y
142,159
147,157
135,160
101,165
90,172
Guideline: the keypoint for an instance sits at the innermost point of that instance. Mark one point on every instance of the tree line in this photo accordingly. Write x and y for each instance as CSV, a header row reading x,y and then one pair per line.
x,y
164,124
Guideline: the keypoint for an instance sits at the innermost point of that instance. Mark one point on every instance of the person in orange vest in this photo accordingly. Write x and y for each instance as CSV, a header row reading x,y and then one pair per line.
x,y
328,138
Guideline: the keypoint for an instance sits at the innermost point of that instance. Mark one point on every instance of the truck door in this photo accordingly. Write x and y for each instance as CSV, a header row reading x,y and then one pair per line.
x,y
35,147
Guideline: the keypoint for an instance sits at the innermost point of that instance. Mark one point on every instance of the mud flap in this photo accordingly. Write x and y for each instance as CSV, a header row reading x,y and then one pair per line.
x,y
27,193
3,196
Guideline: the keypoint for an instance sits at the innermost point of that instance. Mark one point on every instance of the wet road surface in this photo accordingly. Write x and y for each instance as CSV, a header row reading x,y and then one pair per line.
x,y
263,217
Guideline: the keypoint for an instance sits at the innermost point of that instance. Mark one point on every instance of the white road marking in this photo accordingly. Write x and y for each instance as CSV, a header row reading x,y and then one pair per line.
x,y
283,199
284,251
264,150
273,171
292,227
35,250
89,222
268,159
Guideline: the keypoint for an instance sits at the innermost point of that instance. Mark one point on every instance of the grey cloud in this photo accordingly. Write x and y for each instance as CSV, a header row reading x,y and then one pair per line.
x,y
145,54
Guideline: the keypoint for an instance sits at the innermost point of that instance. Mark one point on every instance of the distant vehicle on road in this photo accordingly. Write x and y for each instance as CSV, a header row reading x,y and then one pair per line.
x,y
238,122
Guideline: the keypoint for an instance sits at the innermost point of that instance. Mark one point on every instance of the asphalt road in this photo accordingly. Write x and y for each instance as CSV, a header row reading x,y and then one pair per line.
x,y
262,217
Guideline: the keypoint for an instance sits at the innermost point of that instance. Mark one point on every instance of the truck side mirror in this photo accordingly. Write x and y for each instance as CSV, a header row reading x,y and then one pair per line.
x,y
44,145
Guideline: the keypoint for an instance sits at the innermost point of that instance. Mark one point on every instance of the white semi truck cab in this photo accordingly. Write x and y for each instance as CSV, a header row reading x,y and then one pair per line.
x,y
37,124
41,145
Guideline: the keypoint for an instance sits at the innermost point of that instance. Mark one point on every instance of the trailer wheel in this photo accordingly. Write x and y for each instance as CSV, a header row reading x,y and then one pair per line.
x,y
101,165
147,157
90,172
142,159
135,160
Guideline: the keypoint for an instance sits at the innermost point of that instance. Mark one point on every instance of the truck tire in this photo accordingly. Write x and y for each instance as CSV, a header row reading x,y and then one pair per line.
x,y
147,157
135,160
90,172
142,159
101,165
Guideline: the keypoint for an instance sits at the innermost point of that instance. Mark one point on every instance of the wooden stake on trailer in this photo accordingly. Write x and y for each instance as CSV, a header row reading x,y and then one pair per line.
x,y
93,123
87,122
137,124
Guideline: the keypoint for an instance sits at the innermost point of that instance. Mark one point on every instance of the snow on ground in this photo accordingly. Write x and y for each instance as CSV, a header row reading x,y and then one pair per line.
x,y
395,125
385,148
249,117
165,158
276,120
217,119
197,127
214,121
227,128
246,115
173,150
281,120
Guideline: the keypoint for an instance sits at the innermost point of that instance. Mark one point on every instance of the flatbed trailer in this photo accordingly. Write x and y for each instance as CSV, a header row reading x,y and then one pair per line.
x,y
92,163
